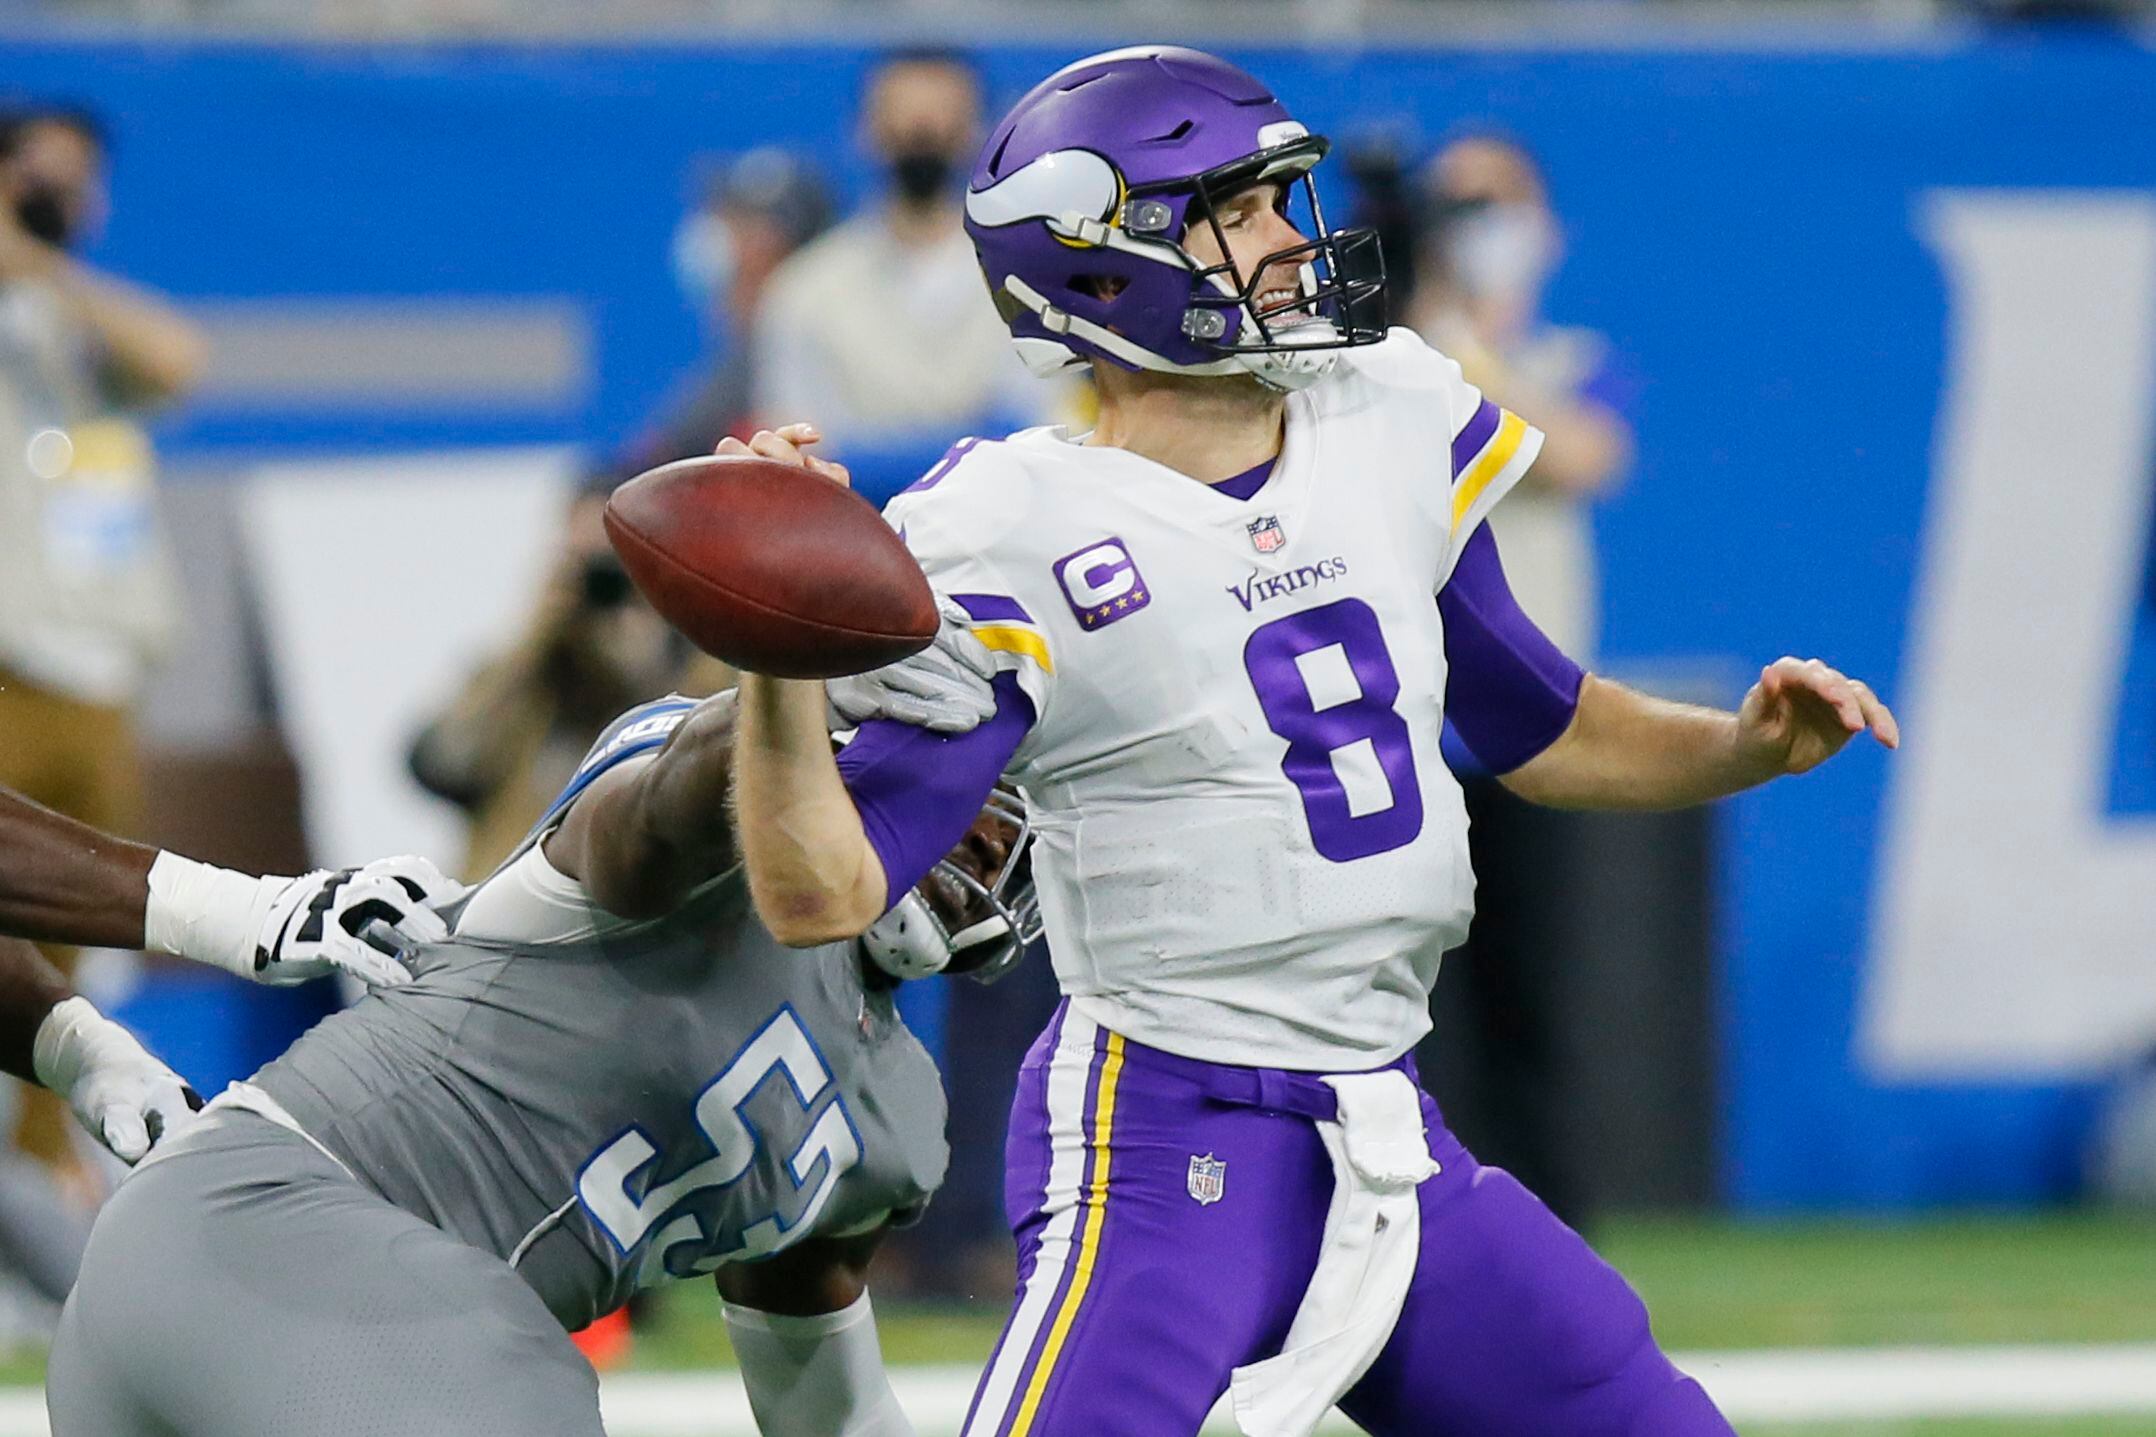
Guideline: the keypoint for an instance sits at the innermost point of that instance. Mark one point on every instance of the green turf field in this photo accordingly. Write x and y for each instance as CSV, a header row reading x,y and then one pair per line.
x,y
2084,1278
1713,1286
2034,1427
1731,1285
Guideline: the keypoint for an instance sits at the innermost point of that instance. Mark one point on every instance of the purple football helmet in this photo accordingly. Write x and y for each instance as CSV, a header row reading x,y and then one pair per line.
x,y
1082,197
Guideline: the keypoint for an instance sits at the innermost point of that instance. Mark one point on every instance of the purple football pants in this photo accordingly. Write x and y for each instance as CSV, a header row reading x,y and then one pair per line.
x,y
1168,1213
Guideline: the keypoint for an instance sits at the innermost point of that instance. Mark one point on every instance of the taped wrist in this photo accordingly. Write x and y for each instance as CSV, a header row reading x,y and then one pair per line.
x,y
816,1376
208,914
69,1042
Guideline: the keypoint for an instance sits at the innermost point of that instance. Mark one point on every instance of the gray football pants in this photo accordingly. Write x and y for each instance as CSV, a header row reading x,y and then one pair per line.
x,y
243,1285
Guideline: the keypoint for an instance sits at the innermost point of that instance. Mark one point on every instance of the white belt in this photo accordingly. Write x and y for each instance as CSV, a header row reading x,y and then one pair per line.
x,y
247,1098
1366,1259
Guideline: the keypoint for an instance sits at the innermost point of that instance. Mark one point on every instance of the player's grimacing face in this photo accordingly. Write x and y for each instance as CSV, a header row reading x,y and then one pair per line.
x,y
1252,224
980,855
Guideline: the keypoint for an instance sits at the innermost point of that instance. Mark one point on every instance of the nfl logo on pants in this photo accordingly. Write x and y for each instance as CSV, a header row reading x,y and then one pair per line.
x,y
1208,1178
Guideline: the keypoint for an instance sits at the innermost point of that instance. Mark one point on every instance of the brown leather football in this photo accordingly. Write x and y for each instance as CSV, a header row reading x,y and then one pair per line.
x,y
771,567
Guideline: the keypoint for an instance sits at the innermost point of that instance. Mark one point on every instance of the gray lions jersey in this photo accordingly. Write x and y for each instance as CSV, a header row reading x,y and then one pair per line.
x,y
629,1103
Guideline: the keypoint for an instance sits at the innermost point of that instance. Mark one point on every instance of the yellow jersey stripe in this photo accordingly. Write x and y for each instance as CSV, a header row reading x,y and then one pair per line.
x,y
1096,1201
1011,639
1495,456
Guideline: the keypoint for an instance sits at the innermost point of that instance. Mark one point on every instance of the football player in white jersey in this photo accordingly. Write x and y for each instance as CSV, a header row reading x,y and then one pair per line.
x,y
1229,624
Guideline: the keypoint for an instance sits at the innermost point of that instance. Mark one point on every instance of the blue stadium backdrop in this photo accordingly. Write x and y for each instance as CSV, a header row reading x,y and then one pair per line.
x,y
1893,309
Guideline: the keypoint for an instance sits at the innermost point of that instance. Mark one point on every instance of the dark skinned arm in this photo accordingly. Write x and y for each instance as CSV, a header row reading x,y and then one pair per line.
x,y
65,882
649,833
809,1279
30,988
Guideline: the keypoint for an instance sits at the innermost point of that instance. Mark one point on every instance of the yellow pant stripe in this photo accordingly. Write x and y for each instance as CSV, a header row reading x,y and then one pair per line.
x,y
1096,1204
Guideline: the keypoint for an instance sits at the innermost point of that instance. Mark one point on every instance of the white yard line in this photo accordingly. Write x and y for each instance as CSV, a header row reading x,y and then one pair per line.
x,y
1887,1383
1899,1382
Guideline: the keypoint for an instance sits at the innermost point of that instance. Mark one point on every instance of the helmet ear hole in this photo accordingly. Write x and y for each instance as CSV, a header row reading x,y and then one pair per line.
x,y
1103,287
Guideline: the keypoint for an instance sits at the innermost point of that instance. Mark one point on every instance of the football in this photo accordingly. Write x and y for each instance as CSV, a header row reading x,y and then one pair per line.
x,y
770,567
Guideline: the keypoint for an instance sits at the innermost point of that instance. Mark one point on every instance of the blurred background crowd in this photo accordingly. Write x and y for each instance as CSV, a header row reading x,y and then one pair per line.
x,y
317,359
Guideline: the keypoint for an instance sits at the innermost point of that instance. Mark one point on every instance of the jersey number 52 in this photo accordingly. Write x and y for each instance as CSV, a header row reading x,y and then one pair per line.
x,y
617,1185
1358,734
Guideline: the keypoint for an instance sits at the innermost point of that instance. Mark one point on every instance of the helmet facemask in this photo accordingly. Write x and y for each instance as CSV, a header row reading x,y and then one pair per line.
x,y
1341,274
962,922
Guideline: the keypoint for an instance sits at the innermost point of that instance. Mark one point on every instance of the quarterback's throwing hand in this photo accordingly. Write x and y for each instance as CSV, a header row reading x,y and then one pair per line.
x,y
944,688
1801,712
788,444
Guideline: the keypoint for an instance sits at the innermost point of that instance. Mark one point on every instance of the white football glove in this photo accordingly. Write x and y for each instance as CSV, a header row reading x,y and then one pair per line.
x,y
127,1099
944,688
288,930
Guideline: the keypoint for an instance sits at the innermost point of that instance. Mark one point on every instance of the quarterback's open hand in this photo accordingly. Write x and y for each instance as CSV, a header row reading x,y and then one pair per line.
x,y
944,688
1801,712
354,921
788,444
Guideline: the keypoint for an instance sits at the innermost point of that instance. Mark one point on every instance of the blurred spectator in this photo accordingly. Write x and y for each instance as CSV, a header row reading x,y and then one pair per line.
x,y
1490,245
511,739
757,212
881,331
883,334
1389,201
86,599
1501,1057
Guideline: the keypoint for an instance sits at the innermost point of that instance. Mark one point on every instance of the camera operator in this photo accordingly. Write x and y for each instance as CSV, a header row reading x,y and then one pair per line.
x,y
509,741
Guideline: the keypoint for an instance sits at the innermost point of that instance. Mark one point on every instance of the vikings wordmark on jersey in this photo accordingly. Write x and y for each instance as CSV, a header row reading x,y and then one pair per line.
x,y
1234,768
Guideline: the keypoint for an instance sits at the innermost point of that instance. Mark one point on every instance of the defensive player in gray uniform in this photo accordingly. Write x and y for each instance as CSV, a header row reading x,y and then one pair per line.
x,y
610,1074
64,882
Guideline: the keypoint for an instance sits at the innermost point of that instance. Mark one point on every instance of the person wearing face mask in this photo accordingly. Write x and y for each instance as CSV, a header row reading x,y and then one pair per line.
x,y
510,737
758,210
1490,244
1486,242
937,364
890,395
86,598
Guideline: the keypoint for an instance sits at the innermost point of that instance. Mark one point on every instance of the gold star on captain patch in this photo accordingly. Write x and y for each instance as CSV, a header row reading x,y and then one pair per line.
x,y
1122,603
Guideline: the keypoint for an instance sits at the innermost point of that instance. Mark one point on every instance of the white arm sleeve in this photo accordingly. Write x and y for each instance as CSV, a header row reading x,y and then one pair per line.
x,y
816,1376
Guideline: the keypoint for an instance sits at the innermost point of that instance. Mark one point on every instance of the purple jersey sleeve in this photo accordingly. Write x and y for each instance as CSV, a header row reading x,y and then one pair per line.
x,y
918,792
1509,691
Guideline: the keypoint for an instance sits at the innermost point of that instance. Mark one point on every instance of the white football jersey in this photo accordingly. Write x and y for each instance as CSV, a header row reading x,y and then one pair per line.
x,y
1249,848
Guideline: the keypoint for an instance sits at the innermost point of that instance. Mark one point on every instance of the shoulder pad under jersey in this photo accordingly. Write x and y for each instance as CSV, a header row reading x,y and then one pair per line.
x,y
639,731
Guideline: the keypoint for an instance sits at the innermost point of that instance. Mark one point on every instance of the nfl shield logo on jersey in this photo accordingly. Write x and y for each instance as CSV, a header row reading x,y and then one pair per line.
x,y
1266,535
1208,1178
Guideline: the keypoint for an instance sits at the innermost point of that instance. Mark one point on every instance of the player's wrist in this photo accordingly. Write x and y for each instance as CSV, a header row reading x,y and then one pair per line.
x,y
207,914
789,710
1754,757
67,1041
